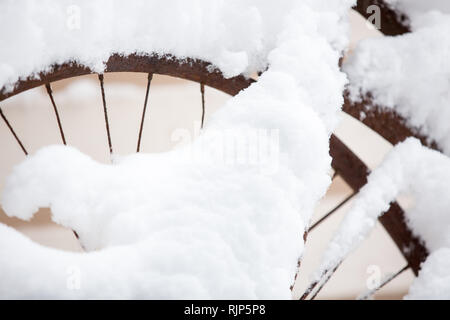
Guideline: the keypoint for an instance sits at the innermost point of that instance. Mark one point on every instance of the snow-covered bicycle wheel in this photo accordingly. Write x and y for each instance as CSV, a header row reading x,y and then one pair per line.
x,y
345,163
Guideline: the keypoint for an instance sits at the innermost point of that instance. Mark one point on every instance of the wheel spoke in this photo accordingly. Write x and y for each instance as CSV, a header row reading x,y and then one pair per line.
x,y
13,132
105,111
388,279
329,213
149,80
50,94
202,90
324,278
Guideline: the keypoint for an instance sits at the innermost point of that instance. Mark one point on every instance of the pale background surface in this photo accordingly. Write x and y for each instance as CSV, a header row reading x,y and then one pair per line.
x,y
174,104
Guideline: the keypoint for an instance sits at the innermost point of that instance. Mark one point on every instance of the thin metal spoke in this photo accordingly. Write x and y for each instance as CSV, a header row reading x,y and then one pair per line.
x,y
149,80
343,202
202,90
13,132
325,281
311,287
299,261
105,111
324,278
50,94
327,274
388,279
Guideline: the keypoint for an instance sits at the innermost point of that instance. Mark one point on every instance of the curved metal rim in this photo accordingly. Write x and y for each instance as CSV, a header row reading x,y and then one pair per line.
x,y
391,126
355,173
189,69
349,166
386,122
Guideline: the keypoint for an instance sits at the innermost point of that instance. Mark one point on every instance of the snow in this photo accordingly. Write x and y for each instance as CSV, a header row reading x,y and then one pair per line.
x,y
236,36
434,278
409,73
418,172
173,225
415,9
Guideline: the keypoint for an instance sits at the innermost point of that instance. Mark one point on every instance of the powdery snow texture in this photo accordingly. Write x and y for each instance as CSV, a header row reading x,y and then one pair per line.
x,y
162,225
424,175
409,73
